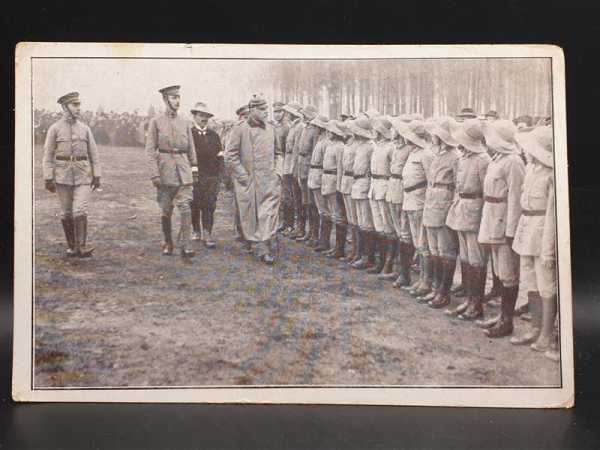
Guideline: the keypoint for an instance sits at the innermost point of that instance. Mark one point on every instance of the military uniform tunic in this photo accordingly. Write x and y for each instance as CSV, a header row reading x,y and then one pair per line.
x,y
414,177
362,183
380,175
395,191
347,180
535,237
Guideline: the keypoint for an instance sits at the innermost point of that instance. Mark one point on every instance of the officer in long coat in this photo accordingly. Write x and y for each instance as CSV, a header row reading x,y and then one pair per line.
x,y
500,216
172,159
253,156
71,168
535,238
441,184
464,216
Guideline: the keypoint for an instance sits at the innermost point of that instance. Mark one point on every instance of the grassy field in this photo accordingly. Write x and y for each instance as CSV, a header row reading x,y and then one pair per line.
x,y
132,317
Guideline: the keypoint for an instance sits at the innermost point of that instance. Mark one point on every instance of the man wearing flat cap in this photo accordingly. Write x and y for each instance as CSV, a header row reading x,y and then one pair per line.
x,y
206,188
252,156
71,168
172,159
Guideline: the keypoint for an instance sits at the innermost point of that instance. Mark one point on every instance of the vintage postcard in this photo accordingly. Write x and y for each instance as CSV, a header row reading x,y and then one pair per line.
x,y
383,225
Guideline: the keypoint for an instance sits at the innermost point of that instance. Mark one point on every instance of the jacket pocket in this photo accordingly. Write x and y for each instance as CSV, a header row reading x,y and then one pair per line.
x,y
497,222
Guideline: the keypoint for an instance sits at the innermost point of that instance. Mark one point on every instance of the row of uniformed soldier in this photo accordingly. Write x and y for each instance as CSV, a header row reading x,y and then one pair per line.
x,y
449,190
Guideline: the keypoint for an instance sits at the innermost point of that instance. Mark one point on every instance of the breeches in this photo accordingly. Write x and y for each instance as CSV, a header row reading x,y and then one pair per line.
x,y
382,216
400,222
73,199
350,209
471,252
442,242
321,203
363,214
506,264
305,191
535,277
170,196
418,232
336,207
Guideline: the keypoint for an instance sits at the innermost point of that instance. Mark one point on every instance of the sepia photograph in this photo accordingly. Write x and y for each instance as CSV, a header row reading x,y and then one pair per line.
x,y
292,224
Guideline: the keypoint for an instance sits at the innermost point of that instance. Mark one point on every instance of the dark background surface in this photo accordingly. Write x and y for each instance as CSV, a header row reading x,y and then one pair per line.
x,y
573,25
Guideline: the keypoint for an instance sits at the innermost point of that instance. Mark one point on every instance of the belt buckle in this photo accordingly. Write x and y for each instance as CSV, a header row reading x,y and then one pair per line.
x,y
72,158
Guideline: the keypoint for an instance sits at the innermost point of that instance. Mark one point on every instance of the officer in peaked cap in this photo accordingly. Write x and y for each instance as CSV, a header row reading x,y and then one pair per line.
x,y
71,168
172,165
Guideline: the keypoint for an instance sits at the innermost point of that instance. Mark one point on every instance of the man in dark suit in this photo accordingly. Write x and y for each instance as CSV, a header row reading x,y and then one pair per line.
x,y
208,153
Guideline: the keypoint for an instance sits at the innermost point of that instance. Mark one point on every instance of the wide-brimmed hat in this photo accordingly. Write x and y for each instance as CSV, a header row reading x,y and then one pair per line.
x,y
470,135
413,131
443,129
525,120
201,108
362,127
278,106
338,128
538,143
384,127
293,108
467,113
500,135
310,112
320,121
258,101
242,110
347,115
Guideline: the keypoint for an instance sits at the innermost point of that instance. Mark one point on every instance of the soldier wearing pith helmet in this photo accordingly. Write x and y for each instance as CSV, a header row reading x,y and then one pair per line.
x,y
71,168
172,166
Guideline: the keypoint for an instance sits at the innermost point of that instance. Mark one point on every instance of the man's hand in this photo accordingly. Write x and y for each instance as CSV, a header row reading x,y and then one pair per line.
x,y
156,182
50,186
95,183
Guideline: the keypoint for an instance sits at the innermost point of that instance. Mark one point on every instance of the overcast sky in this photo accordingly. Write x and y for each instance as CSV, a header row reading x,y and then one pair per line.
x,y
124,85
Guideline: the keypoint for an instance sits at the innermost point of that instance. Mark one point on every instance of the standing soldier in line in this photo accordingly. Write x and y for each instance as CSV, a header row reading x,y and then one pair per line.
x,y
314,181
71,168
464,216
293,146
345,188
242,114
331,182
363,137
382,215
394,198
414,178
535,238
253,156
305,146
281,125
500,215
206,186
172,159
290,191
438,199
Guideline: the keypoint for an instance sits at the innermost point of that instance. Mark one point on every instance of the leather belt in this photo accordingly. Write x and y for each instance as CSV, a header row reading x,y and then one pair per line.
x,y
414,187
397,176
380,177
449,186
173,152
330,171
489,199
71,158
315,166
348,173
470,195
356,177
533,212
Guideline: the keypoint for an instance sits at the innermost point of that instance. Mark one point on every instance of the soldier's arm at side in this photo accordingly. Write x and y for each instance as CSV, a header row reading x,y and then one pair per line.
x,y
514,179
152,149
548,251
232,156
49,152
191,149
426,160
279,145
94,155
